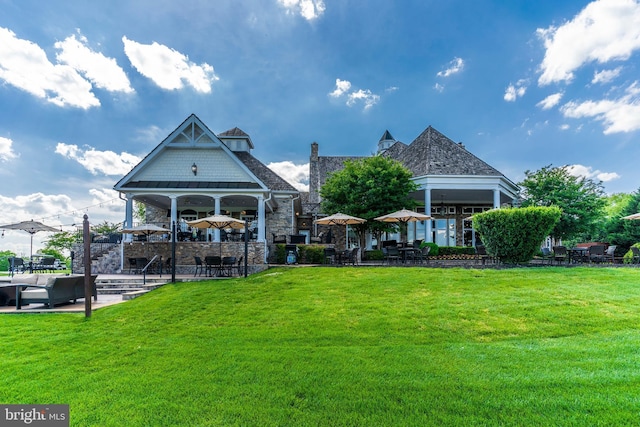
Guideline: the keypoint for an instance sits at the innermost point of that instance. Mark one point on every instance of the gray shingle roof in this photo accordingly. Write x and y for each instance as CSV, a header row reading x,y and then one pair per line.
x,y
432,153
272,180
233,132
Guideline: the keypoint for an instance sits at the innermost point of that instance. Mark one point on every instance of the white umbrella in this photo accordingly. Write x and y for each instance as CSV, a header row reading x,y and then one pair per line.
x,y
31,227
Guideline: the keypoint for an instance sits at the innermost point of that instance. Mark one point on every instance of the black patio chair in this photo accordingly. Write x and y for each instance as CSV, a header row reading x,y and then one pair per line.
x,y
330,255
560,254
422,255
199,265
391,253
596,253
228,264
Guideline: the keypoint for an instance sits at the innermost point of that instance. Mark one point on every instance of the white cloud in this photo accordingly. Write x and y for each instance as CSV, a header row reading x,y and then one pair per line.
x,y
618,115
103,72
516,91
105,162
550,101
296,175
369,99
603,31
24,64
308,9
342,86
438,87
455,66
565,127
6,150
365,96
167,67
605,76
588,172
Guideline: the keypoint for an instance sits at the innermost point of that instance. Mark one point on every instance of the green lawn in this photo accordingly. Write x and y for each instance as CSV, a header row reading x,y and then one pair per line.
x,y
344,346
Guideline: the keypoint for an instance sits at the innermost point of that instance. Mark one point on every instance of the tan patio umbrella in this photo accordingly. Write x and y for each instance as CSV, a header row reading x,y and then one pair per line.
x,y
632,216
219,222
340,219
31,227
144,230
403,216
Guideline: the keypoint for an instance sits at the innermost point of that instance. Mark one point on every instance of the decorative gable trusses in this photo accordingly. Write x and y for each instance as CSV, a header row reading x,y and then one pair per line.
x,y
193,156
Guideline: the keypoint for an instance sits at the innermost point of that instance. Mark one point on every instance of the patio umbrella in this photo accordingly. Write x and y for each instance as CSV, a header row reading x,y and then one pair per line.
x,y
31,227
632,216
219,222
403,216
340,219
144,230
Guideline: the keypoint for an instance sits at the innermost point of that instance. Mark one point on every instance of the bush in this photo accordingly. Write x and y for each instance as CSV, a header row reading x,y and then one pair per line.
x,y
629,255
372,255
307,254
456,250
435,249
514,234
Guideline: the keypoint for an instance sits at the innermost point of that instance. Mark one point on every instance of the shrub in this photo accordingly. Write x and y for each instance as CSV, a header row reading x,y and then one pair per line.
x,y
629,255
514,234
456,250
372,255
435,249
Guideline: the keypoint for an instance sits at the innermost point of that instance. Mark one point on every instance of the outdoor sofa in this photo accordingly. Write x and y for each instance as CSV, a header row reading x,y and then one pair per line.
x,y
46,289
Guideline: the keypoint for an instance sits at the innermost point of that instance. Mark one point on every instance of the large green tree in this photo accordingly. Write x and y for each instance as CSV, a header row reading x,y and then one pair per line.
x,y
580,199
622,232
368,188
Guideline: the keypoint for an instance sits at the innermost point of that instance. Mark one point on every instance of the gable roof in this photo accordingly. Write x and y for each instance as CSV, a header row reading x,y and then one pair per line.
x,y
168,165
432,153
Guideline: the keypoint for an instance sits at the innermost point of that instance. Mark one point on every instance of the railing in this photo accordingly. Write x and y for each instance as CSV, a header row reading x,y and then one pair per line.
x,y
144,270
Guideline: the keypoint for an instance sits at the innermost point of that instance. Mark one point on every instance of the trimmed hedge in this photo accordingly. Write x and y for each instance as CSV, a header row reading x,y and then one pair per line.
x,y
307,254
514,234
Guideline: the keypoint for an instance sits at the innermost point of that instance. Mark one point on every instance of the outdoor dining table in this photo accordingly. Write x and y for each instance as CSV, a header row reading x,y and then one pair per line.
x,y
578,254
407,251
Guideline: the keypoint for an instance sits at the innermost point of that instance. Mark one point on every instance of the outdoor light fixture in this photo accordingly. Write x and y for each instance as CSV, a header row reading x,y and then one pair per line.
x,y
194,169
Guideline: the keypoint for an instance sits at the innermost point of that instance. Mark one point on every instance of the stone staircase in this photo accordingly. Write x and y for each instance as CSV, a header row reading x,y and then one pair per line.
x,y
129,288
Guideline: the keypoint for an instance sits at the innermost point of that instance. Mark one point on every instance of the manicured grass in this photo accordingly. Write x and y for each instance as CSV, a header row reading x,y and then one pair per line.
x,y
344,346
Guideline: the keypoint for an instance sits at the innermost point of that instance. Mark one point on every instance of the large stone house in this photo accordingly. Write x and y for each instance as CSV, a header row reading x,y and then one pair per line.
x,y
453,185
194,173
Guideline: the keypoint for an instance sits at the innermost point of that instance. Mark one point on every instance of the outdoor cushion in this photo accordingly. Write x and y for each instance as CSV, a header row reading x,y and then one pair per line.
x,y
46,279
31,279
33,293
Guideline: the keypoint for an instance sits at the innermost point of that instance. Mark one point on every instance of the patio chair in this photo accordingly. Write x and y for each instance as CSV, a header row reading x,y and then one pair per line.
x,y
596,253
15,265
609,255
199,265
547,256
481,254
560,254
422,255
330,255
351,256
228,264
133,265
391,253
635,258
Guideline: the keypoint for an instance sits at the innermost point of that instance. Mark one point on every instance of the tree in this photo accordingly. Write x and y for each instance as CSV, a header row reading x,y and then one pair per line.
x,y
622,232
368,188
61,242
580,199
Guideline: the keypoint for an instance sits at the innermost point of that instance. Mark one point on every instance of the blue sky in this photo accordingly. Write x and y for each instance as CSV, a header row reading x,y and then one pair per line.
x,y
88,88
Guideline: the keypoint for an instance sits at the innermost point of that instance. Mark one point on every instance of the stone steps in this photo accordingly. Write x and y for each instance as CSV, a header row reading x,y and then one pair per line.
x,y
128,288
